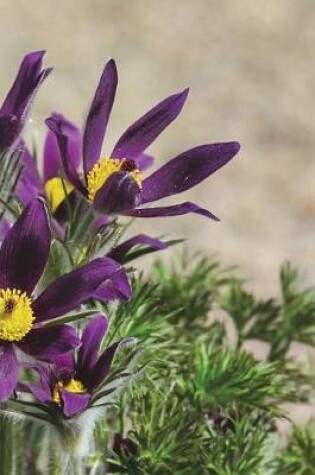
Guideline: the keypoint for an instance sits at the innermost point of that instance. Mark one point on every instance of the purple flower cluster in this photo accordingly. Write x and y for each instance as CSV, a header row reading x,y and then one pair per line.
x,y
77,181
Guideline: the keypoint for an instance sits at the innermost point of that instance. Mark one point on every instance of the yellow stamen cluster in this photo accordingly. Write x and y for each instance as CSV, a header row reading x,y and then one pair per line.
x,y
56,191
102,170
16,314
73,386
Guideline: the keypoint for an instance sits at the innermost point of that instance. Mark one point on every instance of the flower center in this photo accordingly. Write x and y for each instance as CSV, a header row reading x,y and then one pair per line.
x,y
57,190
16,314
102,170
73,386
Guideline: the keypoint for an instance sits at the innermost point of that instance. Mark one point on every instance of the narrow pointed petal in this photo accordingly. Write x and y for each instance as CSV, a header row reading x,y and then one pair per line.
x,y
173,210
119,252
52,157
25,249
187,170
74,403
143,161
57,127
25,85
118,288
145,130
20,97
98,116
101,369
47,343
71,290
119,193
92,337
9,371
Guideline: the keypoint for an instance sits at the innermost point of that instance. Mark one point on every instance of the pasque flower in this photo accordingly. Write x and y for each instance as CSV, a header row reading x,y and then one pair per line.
x,y
70,383
23,256
115,184
50,183
15,108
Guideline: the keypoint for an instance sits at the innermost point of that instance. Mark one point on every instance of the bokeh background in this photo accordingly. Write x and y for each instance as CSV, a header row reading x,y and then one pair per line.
x,y
250,67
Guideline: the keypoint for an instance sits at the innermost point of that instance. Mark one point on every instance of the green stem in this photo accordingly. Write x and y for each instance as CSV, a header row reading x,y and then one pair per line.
x,y
7,437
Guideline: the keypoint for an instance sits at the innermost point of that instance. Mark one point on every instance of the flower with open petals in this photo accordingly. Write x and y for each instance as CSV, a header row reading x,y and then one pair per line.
x,y
15,108
23,256
70,383
115,184
33,183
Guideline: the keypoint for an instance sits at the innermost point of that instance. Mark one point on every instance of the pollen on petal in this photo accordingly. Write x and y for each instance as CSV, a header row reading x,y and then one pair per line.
x,y
102,170
73,386
57,190
16,314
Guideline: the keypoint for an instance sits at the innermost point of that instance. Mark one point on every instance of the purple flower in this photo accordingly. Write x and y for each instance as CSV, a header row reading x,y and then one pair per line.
x,y
23,256
49,182
70,383
15,108
115,185
32,184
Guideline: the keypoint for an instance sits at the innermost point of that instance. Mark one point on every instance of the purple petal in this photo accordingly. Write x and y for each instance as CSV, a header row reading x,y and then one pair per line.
x,y
98,116
42,395
26,82
145,130
46,343
9,131
52,158
74,403
119,252
101,369
71,290
143,161
92,337
173,210
100,222
30,171
119,193
29,185
23,90
26,192
118,288
46,376
187,170
25,249
9,371
61,132
65,364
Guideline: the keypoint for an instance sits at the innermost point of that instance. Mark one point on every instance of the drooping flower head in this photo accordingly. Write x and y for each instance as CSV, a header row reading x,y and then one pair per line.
x,y
16,106
115,184
23,314
70,383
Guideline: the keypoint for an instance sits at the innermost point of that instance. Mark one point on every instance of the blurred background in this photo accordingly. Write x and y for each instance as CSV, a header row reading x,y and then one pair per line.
x,y
250,67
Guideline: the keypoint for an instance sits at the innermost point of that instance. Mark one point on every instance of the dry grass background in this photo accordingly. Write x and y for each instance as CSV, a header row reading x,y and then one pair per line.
x,y
250,66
